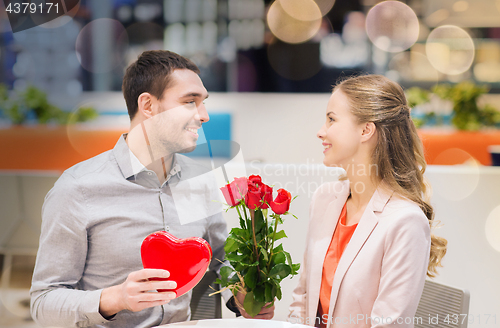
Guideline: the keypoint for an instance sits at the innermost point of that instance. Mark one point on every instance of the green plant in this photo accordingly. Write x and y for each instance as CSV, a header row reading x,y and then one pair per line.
x,y
467,114
33,101
418,96
258,264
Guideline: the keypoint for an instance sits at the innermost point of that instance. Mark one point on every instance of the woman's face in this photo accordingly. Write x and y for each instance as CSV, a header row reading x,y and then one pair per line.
x,y
341,134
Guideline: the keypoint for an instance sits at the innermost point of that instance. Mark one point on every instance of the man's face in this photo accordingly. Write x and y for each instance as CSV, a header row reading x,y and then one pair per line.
x,y
178,115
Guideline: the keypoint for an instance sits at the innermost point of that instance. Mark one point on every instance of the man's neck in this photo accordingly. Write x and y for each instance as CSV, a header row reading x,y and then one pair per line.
x,y
139,147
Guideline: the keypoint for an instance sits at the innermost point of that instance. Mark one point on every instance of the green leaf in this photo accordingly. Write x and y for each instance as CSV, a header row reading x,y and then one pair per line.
x,y
279,258
259,221
278,292
251,306
242,223
232,257
295,268
288,257
231,245
264,253
279,235
239,234
280,271
234,279
270,292
278,249
224,272
259,293
251,277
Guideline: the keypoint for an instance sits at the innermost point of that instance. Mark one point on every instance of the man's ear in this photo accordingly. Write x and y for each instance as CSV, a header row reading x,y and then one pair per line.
x,y
369,130
145,104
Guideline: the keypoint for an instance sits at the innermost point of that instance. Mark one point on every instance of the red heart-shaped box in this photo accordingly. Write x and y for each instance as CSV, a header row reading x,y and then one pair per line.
x,y
187,259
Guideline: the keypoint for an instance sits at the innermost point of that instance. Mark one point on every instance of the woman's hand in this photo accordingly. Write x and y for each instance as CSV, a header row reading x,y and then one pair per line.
x,y
137,293
267,312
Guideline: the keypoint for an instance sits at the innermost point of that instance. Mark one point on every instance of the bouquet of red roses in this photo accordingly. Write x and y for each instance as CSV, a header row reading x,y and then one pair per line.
x,y
258,265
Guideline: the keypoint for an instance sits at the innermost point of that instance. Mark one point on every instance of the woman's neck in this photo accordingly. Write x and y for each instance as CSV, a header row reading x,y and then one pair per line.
x,y
362,188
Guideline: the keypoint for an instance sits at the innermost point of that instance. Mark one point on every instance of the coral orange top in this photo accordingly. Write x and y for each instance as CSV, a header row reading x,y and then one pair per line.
x,y
340,239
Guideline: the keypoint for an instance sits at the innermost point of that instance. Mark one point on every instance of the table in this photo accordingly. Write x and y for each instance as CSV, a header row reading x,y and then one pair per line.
x,y
238,322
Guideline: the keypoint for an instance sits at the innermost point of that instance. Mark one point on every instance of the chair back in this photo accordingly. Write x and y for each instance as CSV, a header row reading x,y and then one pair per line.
x,y
202,305
442,306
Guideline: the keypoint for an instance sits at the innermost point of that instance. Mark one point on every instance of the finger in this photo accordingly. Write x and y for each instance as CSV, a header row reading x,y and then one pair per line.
x,y
146,304
146,274
155,297
156,285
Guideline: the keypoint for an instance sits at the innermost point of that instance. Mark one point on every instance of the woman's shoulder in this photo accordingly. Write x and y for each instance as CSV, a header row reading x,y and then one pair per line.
x,y
331,189
400,211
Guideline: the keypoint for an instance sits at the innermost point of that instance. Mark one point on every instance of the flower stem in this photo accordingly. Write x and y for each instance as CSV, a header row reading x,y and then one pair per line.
x,y
252,214
272,241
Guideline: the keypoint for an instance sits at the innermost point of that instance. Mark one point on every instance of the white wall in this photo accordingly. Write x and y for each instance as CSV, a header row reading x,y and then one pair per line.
x,y
270,127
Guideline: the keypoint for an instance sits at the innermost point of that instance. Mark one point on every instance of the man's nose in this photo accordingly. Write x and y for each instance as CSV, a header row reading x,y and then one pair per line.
x,y
202,113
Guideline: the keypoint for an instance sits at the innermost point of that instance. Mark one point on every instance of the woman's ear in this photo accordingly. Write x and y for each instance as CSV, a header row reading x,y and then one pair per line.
x,y
145,104
369,130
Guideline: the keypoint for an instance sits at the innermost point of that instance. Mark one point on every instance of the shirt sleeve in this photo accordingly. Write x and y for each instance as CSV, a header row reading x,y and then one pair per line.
x,y
403,271
55,297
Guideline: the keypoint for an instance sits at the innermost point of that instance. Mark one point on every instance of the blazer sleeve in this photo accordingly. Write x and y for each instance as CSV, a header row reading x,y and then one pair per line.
x,y
403,271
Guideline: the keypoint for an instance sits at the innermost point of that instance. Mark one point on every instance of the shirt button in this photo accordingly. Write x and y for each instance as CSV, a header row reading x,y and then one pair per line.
x,y
150,173
167,228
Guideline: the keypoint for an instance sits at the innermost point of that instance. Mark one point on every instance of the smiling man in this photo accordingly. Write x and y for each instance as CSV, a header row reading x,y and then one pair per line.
x,y
88,270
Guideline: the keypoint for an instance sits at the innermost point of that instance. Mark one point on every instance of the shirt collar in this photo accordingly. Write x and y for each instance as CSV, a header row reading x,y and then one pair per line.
x,y
131,166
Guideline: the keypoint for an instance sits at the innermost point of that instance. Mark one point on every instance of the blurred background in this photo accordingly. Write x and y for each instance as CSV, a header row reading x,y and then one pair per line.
x,y
269,67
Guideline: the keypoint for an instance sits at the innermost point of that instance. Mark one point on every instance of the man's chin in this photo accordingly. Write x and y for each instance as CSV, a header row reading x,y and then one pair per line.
x,y
187,150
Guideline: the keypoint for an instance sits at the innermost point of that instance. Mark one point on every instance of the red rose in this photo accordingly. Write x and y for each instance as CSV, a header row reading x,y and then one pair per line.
x,y
252,198
258,193
281,203
266,193
255,180
235,191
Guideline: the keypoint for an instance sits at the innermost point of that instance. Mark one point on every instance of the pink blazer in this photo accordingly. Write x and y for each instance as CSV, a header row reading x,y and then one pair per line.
x,y
380,277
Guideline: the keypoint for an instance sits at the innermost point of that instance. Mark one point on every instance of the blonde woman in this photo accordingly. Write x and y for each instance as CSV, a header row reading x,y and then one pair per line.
x,y
369,246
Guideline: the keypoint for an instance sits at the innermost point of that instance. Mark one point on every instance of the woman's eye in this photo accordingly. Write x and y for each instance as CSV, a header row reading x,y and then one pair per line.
x,y
331,119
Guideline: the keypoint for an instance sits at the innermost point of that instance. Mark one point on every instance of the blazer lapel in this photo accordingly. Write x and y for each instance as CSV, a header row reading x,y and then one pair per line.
x,y
323,237
366,224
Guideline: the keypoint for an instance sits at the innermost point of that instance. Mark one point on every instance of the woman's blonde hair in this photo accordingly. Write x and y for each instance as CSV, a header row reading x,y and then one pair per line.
x,y
398,154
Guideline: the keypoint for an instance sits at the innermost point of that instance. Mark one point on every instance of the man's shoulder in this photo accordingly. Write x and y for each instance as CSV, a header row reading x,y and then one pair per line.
x,y
92,165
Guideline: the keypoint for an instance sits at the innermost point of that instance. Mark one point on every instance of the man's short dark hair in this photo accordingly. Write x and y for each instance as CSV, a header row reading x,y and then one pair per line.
x,y
151,73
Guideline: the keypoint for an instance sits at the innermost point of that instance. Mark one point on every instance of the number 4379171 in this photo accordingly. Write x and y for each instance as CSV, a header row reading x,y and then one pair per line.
x,y
31,8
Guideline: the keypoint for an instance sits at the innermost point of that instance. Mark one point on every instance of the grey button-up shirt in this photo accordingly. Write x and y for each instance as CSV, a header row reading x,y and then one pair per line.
x,y
94,220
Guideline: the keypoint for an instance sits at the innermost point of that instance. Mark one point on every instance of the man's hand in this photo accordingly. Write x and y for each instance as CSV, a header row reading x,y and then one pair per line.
x,y
137,293
267,312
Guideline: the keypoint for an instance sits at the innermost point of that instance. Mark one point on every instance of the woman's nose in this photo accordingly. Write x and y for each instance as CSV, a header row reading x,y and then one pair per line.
x,y
321,133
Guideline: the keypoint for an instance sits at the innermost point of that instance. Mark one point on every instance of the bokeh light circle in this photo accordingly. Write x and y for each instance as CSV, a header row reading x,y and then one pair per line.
x,y
294,21
392,26
112,51
453,189
325,6
492,228
450,49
